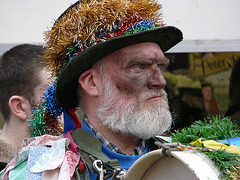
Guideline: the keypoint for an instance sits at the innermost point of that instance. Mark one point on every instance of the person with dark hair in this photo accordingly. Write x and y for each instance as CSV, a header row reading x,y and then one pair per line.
x,y
22,81
234,94
108,56
211,107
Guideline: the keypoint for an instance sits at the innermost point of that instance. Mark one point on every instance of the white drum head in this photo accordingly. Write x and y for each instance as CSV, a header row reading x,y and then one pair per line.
x,y
183,165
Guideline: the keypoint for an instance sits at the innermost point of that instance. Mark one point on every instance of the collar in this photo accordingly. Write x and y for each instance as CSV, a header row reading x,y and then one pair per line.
x,y
137,150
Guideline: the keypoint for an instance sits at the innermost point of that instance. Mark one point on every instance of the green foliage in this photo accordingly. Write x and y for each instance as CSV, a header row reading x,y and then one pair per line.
x,y
215,128
225,161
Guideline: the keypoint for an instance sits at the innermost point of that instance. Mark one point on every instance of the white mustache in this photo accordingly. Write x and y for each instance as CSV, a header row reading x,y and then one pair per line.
x,y
161,93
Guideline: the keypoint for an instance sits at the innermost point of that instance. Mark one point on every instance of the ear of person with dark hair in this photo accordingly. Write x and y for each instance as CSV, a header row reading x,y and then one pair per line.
x,y
22,82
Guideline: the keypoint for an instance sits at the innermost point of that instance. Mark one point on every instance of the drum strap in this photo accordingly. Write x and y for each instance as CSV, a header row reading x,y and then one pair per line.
x,y
165,145
92,154
96,160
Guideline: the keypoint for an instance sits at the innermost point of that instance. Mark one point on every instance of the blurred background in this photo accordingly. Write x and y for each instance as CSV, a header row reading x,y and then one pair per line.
x,y
205,57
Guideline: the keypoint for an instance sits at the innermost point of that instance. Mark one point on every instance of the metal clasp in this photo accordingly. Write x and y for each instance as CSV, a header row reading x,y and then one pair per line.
x,y
167,147
118,173
98,166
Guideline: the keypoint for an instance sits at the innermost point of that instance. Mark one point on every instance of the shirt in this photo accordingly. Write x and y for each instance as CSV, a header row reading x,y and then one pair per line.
x,y
137,150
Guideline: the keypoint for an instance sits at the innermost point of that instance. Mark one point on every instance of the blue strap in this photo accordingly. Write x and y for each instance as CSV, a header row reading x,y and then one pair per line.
x,y
234,141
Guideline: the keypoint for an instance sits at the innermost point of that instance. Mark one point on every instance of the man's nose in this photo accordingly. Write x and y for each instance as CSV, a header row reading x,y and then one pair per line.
x,y
156,80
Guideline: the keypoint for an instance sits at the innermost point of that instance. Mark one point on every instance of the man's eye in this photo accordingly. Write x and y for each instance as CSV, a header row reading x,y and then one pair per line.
x,y
162,68
138,66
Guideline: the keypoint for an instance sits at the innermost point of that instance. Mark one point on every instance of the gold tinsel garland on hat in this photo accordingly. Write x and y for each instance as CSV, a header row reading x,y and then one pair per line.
x,y
83,23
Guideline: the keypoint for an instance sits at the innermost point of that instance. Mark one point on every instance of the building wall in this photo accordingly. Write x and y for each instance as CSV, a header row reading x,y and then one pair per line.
x,y
207,25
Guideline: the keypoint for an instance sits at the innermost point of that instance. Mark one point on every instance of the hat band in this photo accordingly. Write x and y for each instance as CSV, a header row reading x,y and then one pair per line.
x,y
121,28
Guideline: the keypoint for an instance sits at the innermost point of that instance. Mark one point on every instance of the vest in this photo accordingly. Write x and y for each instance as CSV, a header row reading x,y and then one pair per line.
x,y
122,161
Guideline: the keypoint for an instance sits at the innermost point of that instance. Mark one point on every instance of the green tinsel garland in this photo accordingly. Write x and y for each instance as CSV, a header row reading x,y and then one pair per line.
x,y
215,128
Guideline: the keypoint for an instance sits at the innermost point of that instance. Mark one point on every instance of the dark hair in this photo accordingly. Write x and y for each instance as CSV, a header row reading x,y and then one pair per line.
x,y
205,84
234,87
19,74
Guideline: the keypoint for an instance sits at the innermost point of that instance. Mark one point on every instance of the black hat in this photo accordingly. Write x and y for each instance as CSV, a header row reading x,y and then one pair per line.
x,y
88,31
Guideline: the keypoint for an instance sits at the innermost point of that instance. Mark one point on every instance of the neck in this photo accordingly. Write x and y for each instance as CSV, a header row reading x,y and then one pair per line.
x,y
14,132
207,105
124,142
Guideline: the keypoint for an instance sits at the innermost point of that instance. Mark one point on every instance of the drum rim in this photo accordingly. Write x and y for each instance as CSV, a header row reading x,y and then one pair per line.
x,y
140,167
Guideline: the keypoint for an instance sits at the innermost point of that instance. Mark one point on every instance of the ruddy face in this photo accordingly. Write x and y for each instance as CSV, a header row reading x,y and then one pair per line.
x,y
136,70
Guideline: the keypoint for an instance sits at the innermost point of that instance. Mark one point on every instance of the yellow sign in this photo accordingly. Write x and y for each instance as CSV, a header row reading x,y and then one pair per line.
x,y
213,64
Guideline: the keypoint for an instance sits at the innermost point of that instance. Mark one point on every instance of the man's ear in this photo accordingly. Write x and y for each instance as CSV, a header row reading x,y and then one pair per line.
x,y
20,107
89,81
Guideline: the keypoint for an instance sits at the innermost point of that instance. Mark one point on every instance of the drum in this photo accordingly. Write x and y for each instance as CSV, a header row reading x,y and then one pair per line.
x,y
178,164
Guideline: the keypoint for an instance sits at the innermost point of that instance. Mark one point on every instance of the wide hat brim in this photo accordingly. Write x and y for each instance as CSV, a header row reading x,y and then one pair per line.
x,y
67,86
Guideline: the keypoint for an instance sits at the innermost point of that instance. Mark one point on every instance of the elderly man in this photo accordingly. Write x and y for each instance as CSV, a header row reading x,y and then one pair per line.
x,y
123,96
108,58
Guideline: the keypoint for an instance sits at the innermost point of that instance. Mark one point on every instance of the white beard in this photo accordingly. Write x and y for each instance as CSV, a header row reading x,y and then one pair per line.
x,y
126,114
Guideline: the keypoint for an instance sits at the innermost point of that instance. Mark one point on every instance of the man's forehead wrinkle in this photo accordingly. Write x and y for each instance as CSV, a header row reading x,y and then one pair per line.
x,y
142,58
125,56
